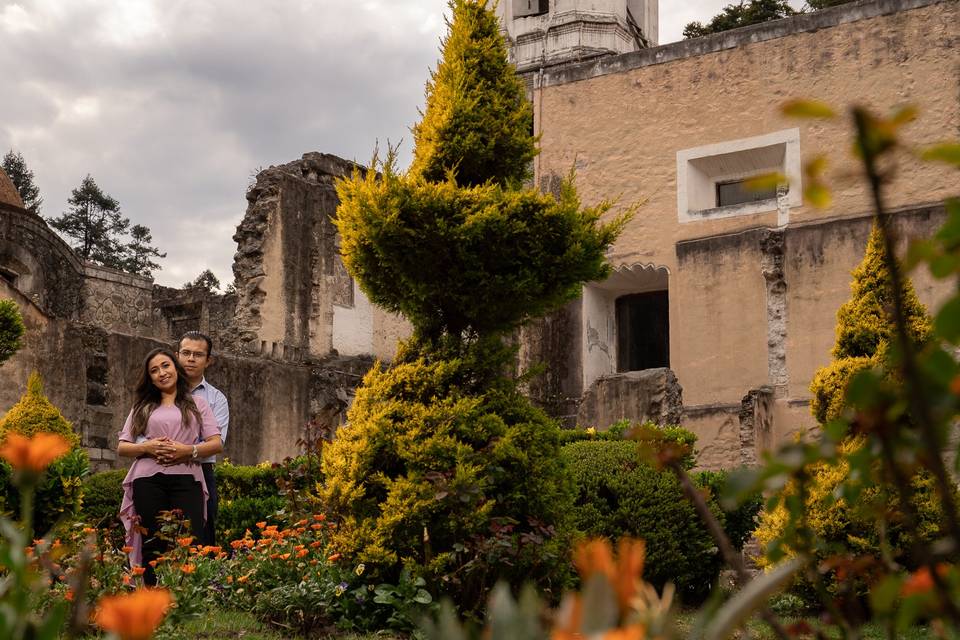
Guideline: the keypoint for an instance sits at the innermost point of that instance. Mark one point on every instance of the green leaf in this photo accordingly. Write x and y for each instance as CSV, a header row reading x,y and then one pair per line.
x,y
947,322
766,182
818,195
800,108
423,597
948,152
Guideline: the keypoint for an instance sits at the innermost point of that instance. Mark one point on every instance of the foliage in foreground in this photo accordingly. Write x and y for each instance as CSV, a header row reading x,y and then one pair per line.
x,y
60,493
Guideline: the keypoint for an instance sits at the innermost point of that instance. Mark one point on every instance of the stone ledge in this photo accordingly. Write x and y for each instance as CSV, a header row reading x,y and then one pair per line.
x,y
803,23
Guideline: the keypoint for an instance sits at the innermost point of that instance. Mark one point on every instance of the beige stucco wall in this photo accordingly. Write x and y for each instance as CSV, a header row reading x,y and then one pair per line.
x,y
622,122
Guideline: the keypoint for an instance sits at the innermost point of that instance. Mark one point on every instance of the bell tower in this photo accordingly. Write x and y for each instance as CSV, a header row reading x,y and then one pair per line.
x,y
546,33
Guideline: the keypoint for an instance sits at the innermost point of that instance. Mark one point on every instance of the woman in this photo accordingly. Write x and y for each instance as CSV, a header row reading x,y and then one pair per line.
x,y
168,431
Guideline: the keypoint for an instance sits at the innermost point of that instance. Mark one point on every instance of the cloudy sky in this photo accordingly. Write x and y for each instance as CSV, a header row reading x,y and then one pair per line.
x,y
173,106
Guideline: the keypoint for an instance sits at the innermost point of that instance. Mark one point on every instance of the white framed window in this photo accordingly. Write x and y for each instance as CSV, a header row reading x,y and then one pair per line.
x,y
710,179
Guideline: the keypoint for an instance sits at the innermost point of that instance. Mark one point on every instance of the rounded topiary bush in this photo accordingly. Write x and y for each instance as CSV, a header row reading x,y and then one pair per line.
x,y
60,493
446,469
618,495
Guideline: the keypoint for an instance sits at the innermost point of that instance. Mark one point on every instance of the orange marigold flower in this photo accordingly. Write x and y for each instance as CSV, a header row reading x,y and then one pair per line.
x,y
133,616
921,581
188,568
333,557
153,563
127,579
319,517
89,530
261,525
229,579
302,553
301,522
69,595
284,556
316,543
316,526
236,544
185,542
138,571
127,549
33,454
243,579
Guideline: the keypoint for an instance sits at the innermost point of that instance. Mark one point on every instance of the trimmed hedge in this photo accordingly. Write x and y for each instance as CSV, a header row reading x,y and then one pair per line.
x,y
248,494
617,495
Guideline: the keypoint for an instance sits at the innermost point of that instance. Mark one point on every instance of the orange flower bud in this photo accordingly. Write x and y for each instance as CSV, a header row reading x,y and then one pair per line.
x,y
33,454
133,616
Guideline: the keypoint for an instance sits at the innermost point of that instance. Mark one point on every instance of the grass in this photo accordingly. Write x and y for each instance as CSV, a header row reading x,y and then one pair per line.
x,y
760,631
229,625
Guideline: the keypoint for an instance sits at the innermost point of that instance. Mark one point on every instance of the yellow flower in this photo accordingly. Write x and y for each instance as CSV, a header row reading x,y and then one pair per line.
x,y
359,569
133,616
33,454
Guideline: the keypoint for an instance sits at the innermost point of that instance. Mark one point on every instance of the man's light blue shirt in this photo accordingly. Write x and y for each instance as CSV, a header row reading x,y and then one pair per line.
x,y
218,404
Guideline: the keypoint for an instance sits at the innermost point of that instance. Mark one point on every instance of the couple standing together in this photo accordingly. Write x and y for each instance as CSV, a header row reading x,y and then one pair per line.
x,y
175,429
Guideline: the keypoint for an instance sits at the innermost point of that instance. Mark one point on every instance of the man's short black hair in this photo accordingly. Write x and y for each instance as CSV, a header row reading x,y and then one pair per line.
x,y
196,335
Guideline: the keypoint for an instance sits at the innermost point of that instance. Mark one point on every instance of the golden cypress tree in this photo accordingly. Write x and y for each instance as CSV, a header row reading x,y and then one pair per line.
x,y
444,467
478,124
34,413
865,330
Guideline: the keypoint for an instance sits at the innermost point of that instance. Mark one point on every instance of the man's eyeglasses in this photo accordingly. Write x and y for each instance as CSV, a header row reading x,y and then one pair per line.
x,y
199,355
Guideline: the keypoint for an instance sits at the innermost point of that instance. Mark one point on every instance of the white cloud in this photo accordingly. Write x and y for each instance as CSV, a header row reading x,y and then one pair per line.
x,y
171,105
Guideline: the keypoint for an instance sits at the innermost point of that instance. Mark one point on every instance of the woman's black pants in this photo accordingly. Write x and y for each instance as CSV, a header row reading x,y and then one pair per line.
x,y
165,492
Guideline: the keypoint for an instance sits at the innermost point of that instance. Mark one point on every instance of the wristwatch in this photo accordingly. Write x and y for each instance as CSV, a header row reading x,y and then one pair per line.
x,y
196,452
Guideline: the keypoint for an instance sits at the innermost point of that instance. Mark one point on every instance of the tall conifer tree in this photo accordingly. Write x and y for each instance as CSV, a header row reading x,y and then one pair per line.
x,y
22,177
444,467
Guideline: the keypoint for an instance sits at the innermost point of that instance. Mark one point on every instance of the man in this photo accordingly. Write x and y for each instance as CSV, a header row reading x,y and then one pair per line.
x,y
195,353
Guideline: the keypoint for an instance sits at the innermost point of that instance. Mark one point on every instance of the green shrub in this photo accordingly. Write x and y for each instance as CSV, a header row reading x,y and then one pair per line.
x,y
238,515
445,468
845,530
740,521
620,430
60,493
102,495
11,329
617,495
245,481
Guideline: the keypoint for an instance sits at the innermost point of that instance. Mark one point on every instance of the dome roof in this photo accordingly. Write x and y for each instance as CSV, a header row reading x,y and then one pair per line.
x,y
8,192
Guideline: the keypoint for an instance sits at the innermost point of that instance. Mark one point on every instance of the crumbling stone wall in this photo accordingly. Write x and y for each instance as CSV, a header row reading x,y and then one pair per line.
x,y
40,264
286,267
118,301
639,396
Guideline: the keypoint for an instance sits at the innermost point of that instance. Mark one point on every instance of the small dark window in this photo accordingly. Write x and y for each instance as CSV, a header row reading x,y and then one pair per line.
x,y
9,276
643,331
522,8
736,192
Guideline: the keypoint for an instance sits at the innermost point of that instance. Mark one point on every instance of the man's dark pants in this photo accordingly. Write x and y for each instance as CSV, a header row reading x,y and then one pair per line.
x,y
209,536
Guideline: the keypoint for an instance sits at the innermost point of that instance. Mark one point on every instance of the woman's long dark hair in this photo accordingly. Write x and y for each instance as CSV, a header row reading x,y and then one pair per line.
x,y
146,397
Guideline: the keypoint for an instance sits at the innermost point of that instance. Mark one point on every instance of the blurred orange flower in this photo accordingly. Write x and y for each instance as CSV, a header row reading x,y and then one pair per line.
x,y
33,454
133,616
138,571
333,557
188,568
185,542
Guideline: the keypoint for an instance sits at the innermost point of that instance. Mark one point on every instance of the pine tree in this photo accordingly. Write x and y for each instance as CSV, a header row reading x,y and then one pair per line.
x,y
139,252
22,177
865,330
95,225
741,14
206,281
444,467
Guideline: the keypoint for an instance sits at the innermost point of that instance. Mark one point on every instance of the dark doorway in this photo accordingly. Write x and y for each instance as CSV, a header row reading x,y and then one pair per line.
x,y
643,331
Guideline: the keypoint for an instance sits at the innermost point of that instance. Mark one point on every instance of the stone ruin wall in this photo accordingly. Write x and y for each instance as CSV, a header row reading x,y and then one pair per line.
x,y
89,327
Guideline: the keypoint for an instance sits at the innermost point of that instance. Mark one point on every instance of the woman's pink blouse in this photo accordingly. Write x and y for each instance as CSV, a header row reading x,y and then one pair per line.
x,y
164,422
